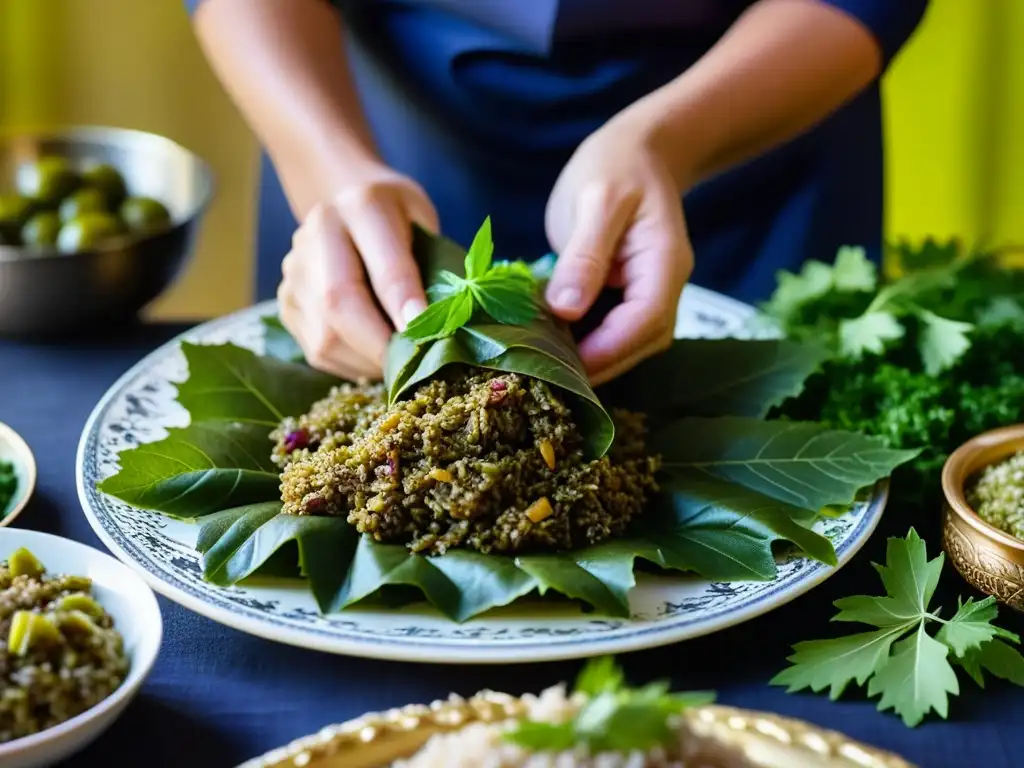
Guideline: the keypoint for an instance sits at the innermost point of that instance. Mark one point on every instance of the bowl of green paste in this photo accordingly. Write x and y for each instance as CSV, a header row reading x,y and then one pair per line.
x,y
17,474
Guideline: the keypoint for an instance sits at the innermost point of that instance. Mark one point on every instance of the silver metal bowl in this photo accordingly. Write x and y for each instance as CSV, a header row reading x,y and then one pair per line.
x,y
46,292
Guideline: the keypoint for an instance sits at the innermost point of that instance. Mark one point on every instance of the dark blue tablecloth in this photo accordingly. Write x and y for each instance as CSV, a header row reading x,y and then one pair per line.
x,y
217,696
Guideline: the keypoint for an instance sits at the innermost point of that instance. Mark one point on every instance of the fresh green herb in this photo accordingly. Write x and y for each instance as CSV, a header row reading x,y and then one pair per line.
x,y
615,718
846,301
913,675
8,485
506,292
889,391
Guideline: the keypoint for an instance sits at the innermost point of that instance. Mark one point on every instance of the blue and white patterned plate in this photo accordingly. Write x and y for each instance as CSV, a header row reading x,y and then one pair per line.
x,y
665,608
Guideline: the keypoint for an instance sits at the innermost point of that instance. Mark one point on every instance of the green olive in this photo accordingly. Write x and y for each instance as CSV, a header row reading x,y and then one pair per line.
x,y
88,231
24,563
108,180
14,212
41,230
48,180
144,215
85,200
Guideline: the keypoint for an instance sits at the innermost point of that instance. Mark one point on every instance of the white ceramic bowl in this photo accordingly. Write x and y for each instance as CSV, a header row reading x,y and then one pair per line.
x,y
15,450
137,617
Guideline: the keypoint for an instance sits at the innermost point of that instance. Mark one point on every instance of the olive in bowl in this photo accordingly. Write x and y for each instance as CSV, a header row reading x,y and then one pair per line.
x,y
95,223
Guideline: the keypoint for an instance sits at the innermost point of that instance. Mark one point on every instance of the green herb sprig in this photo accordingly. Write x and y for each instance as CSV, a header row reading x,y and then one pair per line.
x,y
505,291
614,718
913,675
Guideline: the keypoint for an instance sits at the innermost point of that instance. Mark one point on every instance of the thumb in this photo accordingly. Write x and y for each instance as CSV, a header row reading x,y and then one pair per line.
x,y
582,268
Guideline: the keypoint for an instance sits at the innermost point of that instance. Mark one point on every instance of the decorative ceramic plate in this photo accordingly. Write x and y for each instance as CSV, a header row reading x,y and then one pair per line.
x,y
665,609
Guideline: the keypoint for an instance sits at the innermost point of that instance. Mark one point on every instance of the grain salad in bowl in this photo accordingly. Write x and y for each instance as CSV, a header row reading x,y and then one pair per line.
x,y
79,633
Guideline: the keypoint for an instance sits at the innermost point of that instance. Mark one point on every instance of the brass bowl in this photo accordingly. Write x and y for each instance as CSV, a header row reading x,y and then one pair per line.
x,y
719,737
989,559
44,292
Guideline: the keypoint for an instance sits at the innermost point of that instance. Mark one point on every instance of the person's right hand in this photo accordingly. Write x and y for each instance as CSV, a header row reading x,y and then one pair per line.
x,y
357,243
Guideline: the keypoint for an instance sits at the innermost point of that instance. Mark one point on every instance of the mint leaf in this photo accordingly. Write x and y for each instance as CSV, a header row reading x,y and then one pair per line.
x,y
614,718
600,675
507,301
460,310
480,253
868,333
853,272
942,341
917,679
432,322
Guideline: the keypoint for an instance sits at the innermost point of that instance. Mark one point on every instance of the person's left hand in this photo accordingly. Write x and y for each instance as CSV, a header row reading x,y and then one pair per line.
x,y
615,217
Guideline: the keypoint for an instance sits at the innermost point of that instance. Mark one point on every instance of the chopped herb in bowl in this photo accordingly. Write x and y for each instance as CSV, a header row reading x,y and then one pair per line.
x,y
997,495
8,485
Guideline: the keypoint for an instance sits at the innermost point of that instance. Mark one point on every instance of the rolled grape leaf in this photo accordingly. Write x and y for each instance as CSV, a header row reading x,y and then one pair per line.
x,y
229,383
803,464
543,349
716,377
202,468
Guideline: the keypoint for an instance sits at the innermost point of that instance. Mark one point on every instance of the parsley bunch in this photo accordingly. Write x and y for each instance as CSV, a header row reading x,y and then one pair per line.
x,y
615,718
911,671
505,291
894,392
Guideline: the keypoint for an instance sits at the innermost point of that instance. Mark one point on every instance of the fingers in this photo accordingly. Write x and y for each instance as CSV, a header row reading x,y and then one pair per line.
x,y
323,349
582,269
338,277
654,272
379,228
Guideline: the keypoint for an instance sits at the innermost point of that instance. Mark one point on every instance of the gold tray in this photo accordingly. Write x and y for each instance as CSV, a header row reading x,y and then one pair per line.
x,y
723,737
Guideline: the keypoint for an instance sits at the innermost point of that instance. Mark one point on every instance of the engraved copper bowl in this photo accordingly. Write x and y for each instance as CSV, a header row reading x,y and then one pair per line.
x,y
989,559
721,737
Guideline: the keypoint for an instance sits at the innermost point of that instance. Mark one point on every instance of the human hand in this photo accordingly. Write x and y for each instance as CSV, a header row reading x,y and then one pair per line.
x,y
348,250
615,218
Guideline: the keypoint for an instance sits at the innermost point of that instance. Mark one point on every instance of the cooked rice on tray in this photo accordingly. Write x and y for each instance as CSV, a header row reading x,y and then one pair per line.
x,y
477,459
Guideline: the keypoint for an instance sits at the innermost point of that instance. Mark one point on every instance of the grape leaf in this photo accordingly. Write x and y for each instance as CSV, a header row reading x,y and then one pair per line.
x,y
802,464
724,532
868,333
916,679
908,576
229,383
715,377
942,342
199,469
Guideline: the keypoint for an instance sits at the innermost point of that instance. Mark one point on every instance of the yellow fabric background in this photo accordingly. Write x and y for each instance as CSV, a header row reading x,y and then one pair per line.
x,y
954,119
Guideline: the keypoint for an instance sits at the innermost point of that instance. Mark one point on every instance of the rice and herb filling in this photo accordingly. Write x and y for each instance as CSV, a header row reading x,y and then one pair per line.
x,y
478,459
61,653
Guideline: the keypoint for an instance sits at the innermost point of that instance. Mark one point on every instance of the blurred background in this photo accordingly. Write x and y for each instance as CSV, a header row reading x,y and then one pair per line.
x,y
954,120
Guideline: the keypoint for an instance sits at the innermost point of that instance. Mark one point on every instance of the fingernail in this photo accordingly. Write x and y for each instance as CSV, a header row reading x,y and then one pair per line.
x,y
568,298
410,310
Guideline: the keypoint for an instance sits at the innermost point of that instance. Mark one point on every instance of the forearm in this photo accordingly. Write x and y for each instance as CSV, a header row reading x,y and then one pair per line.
x,y
783,66
283,63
